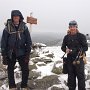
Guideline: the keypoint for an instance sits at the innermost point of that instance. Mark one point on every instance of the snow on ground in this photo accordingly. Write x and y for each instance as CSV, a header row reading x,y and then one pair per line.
x,y
88,41
56,50
46,70
88,52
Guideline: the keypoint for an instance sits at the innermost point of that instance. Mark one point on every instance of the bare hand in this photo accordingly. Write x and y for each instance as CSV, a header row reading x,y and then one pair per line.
x,y
68,51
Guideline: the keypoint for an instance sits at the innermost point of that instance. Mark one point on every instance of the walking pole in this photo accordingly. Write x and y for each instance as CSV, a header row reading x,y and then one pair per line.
x,y
63,56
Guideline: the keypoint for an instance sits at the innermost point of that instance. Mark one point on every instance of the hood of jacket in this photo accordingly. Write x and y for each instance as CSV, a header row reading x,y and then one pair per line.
x,y
17,13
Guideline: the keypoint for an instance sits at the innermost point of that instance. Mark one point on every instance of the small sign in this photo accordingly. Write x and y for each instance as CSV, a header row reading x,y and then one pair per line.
x,y
31,20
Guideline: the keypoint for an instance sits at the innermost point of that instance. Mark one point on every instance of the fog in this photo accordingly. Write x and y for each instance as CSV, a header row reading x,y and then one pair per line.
x,y
52,15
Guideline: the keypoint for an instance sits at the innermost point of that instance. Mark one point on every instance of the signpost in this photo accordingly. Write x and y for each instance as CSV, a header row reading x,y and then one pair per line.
x,y
31,20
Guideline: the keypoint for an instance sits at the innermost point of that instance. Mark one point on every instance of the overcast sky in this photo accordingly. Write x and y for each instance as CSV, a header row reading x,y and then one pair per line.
x,y
52,15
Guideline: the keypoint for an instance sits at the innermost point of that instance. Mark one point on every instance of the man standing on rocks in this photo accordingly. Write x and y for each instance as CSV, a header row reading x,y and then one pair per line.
x,y
74,45
16,45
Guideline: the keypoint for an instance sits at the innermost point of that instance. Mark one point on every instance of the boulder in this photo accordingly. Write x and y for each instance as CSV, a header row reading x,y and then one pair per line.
x,y
33,55
44,83
31,67
50,55
36,60
43,59
34,75
88,76
38,45
57,88
47,60
3,74
57,68
41,64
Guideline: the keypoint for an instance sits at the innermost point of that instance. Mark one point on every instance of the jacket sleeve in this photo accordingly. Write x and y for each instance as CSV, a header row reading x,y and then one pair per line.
x,y
4,41
63,47
28,41
83,43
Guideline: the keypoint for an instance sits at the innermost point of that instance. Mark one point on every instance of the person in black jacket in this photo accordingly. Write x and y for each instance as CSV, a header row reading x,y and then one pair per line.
x,y
74,43
16,45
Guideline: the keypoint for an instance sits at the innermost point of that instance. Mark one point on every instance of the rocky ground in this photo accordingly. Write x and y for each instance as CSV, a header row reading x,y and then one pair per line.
x,y
45,70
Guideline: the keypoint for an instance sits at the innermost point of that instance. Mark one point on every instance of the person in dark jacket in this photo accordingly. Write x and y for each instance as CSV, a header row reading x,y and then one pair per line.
x,y
16,45
73,44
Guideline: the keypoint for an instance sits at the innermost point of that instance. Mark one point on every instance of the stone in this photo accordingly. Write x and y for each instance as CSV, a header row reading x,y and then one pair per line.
x,y
31,67
57,88
33,55
57,70
50,55
34,75
44,83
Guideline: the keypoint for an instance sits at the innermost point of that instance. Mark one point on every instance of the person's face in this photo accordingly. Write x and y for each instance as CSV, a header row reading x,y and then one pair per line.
x,y
16,19
73,30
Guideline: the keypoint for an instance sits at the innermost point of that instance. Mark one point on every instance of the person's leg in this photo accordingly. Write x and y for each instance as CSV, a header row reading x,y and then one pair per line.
x,y
11,64
71,76
81,75
25,71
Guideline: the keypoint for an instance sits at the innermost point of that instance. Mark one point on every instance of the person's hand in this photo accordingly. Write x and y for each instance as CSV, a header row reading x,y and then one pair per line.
x,y
68,50
5,60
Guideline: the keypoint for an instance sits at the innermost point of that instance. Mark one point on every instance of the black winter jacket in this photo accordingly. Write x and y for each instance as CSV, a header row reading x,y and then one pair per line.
x,y
75,43
17,41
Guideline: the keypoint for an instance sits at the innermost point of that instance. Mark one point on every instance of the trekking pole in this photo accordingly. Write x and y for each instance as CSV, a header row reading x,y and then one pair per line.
x,y
63,56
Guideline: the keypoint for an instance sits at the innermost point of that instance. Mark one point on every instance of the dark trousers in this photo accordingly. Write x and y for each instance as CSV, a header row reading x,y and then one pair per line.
x,y
76,71
24,69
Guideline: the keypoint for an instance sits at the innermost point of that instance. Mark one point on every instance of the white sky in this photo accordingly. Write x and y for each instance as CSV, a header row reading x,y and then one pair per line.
x,y
53,15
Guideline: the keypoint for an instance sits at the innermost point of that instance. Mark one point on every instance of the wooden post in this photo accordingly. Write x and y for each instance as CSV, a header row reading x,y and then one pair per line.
x,y
31,24
31,20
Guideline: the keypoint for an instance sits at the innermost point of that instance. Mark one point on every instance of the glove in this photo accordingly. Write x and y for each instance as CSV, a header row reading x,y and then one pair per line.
x,y
27,56
5,60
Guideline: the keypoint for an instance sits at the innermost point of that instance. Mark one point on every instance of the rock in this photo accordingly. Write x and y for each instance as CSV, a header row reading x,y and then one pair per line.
x,y
41,64
34,74
31,67
44,83
47,60
88,85
36,60
18,75
1,83
66,82
18,85
46,51
3,74
38,45
34,55
88,76
50,55
57,88
57,68
44,59
58,62
4,67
